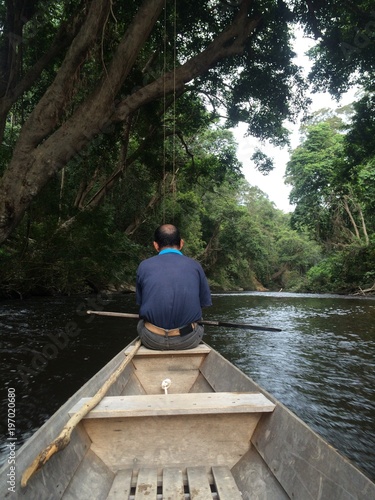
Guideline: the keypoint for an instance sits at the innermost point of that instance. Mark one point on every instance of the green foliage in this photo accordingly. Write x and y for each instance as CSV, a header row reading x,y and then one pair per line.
x,y
262,162
322,277
325,200
297,250
92,256
248,241
344,272
332,174
359,148
345,32
170,161
360,140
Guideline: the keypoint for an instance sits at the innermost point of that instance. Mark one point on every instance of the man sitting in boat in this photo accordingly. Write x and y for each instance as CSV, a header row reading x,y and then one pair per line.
x,y
171,290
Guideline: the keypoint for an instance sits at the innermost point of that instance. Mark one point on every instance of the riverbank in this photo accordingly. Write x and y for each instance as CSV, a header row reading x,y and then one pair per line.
x,y
127,288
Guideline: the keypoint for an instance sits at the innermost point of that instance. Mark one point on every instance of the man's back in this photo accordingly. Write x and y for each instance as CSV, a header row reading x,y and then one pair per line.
x,y
171,290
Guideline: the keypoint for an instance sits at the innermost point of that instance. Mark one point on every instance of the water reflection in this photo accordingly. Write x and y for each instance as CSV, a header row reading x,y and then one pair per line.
x,y
321,365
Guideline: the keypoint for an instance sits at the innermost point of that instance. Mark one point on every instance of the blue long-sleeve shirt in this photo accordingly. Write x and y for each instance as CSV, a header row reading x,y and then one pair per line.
x,y
171,289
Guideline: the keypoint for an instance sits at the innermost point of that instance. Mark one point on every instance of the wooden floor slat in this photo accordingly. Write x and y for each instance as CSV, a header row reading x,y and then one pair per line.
x,y
147,484
225,484
173,484
121,485
199,487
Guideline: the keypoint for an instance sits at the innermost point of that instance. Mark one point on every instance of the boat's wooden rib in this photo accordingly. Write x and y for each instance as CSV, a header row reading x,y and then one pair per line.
x,y
215,435
91,476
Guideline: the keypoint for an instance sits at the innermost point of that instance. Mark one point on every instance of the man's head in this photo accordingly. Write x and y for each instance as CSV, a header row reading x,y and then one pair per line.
x,y
166,236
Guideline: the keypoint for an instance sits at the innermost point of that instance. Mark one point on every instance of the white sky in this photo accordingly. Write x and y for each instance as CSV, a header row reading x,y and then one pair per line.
x,y
273,183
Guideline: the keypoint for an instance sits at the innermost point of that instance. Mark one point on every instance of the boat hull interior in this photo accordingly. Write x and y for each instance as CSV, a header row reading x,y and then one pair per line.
x,y
185,425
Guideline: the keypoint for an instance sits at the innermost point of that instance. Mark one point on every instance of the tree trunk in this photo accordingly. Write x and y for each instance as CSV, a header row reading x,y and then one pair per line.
x,y
348,211
364,228
280,272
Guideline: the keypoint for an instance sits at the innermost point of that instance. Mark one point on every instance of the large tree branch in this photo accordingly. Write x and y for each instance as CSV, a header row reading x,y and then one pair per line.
x,y
229,43
94,115
47,112
40,152
124,162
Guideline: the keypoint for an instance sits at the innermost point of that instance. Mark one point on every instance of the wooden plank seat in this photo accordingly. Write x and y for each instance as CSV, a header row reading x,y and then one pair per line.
x,y
177,404
174,483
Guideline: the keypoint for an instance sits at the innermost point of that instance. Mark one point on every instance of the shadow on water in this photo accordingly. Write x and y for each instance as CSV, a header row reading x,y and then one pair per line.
x,y
321,365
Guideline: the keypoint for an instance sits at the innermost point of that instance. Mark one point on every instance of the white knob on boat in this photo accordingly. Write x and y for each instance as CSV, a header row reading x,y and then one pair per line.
x,y
166,385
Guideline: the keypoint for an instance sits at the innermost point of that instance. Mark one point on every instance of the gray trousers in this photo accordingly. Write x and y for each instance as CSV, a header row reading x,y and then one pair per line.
x,y
164,343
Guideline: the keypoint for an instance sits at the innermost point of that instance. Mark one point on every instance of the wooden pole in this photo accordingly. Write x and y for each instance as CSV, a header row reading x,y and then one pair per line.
x,y
201,322
63,438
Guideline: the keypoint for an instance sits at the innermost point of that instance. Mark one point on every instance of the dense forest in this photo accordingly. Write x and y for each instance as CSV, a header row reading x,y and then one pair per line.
x,y
116,117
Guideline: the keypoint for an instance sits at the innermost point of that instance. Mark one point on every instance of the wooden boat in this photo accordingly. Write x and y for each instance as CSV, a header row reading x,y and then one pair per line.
x,y
183,425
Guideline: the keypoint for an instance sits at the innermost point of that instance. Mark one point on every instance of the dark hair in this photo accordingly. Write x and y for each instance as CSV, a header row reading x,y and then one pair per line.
x,y
167,235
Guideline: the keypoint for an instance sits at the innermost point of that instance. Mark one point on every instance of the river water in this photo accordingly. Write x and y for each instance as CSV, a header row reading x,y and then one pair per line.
x,y
321,365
